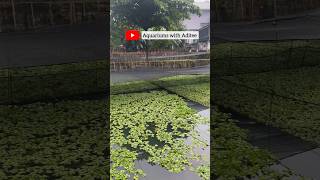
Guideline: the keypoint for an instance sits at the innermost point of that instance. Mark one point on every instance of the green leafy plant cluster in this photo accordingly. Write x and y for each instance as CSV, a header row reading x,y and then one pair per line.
x,y
151,126
253,57
286,99
30,84
192,87
133,86
197,92
64,140
232,157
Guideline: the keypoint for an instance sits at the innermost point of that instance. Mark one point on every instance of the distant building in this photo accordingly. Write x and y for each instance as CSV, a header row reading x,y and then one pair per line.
x,y
204,38
202,24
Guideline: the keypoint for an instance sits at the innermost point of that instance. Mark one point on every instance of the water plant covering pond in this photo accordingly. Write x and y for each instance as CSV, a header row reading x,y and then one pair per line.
x,y
288,99
65,140
232,157
153,126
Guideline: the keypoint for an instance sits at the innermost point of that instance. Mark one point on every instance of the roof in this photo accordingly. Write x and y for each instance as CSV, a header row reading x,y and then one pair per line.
x,y
195,21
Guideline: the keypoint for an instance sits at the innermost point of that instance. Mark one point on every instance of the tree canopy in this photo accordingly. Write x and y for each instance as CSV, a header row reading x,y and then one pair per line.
x,y
151,14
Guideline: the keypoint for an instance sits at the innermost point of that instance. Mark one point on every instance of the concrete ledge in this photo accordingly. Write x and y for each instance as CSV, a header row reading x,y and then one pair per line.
x,y
158,64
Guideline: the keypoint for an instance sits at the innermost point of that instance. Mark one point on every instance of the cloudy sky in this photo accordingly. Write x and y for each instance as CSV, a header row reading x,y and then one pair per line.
x,y
203,4
201,0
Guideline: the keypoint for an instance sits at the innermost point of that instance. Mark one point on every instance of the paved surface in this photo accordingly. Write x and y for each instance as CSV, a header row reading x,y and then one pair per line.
x,y
301,26
300,156
279,143
57,45
306,164
148,74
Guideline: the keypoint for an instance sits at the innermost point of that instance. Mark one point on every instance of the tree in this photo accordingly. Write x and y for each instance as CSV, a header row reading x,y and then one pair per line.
x,y
152,14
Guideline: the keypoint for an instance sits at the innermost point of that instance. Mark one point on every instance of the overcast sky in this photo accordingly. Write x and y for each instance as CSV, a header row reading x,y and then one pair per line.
x,y
201,0
203,4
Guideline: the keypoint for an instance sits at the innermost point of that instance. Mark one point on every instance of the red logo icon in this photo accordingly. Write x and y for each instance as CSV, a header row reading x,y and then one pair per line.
x,y
132,35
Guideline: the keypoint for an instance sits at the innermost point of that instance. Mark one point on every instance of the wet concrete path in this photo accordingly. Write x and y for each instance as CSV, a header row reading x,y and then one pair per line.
x,y
149,74
300,156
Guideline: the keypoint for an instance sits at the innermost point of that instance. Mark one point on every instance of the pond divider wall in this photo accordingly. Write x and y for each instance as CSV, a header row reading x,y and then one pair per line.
x,y
158,64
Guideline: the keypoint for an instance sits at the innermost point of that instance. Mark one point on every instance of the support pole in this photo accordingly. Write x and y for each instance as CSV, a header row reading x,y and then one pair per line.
x,y
98,6
51,13
252,10
275,8
14,14
84,9
70,13
32,16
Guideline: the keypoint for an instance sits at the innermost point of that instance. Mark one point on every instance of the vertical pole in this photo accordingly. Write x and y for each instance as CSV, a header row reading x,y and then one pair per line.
x,y
252,10
32,16
275,7
84,8
74,12
14,14
51,13
216,10
98,6
70,13
242,9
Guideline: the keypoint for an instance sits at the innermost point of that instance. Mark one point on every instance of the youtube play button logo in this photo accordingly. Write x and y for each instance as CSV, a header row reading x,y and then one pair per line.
x,y
133,35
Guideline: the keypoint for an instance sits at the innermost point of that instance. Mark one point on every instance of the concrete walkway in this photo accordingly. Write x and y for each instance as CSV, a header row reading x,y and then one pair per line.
x,y
302,157
149,74
306,164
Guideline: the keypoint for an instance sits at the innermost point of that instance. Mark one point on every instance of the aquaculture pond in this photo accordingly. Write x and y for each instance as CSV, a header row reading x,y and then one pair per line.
x,y
287,99
151,126
232,157
64,140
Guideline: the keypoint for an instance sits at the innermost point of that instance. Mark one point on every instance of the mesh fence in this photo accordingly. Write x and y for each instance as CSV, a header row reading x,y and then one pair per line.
x,y
160,59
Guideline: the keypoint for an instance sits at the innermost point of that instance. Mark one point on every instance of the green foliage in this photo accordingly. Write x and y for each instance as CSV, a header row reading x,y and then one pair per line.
x,y
204,171
44,82
65,140
144,85
192,87
147,14
150,15
294,116
151,126
232,157
249,57
134,86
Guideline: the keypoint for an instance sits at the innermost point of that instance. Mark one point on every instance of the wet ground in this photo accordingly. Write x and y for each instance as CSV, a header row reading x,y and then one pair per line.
x,y
300,156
